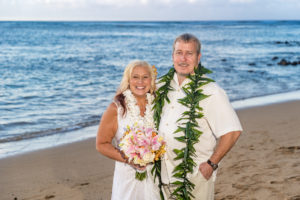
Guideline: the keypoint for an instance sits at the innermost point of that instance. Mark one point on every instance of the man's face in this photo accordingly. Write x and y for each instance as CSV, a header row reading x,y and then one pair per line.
x,y
185,57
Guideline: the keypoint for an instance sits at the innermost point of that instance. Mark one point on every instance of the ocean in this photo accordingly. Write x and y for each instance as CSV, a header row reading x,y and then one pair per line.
x,y
57,78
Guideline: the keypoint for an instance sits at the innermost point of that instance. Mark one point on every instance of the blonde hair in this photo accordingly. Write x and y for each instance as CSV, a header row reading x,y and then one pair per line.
x,y
124,85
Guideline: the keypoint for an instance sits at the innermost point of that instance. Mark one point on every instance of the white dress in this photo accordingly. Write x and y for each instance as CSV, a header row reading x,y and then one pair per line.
x,y
125,186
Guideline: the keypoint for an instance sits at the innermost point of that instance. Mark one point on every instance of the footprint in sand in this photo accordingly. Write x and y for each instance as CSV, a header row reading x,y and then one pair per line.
x,y
83,184
228,197
80,184
293,178
49,196
295,198
290,149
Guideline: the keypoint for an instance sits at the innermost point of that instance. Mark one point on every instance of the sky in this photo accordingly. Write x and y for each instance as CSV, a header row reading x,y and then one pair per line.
x,y
147,10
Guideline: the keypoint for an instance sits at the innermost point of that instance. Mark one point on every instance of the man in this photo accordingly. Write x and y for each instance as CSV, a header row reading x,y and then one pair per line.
x,y
219,125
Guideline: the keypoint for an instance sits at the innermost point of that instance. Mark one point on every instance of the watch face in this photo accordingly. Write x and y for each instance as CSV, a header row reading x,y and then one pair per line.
x,y
214,166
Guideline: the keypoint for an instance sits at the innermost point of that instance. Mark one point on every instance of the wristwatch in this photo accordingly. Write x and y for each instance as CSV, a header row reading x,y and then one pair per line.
x,y
213,165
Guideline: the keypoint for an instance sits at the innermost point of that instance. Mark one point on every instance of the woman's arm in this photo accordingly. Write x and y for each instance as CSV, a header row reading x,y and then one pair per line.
x,y
106,132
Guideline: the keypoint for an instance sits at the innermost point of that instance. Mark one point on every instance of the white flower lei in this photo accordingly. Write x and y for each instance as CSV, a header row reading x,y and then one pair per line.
x,y
133,109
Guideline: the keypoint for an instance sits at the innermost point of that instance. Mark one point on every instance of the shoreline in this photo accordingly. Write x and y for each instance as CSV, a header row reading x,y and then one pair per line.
x,y
264,164
30,145
266,100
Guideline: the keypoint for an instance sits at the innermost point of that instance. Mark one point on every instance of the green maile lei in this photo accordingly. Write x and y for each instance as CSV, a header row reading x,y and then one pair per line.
x,y
188,127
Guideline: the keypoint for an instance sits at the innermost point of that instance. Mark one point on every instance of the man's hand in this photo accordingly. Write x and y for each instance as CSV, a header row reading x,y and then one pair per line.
x,y
224,145
206,170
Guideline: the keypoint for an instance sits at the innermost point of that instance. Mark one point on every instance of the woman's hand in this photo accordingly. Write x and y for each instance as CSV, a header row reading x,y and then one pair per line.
x,y
135,166
138,167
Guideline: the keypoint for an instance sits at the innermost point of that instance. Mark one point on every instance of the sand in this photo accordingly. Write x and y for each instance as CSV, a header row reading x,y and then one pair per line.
x,y
264,164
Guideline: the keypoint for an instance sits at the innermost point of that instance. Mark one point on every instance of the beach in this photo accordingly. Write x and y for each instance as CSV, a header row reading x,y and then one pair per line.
x,y
264,164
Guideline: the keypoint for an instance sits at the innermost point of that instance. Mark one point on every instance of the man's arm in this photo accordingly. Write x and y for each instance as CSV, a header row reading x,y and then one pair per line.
x,y
225,144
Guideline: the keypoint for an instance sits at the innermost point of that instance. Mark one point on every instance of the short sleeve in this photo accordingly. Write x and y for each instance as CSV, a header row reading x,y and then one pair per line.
x,y
220,114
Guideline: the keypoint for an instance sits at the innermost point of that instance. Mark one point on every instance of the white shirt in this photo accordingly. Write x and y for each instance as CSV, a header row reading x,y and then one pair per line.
x,y
219,118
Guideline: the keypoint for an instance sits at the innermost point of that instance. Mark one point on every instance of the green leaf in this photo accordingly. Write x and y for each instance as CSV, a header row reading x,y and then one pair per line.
x,y
180,139
140,175
178,175
179,168
179,156
180,129
177,183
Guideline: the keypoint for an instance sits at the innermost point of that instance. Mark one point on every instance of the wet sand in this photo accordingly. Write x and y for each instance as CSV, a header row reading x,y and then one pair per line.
x,y
264,164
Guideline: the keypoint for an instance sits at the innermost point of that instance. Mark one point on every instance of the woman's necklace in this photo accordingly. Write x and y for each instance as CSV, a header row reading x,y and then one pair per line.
x,y
133,109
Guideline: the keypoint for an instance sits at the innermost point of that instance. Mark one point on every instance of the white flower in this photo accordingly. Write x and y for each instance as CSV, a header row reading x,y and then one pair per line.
x,y
133,109
149,157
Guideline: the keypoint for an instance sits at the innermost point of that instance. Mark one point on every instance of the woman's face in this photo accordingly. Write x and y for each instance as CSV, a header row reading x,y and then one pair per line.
x,y
140,81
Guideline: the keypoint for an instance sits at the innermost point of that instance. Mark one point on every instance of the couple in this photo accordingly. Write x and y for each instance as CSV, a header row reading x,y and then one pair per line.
x,y
192,113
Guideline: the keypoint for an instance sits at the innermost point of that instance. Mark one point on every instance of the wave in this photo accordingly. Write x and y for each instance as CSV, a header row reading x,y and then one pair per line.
x,y
287,43
93,120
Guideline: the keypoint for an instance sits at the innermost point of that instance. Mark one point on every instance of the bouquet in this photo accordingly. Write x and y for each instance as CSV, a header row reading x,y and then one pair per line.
x,y
142,146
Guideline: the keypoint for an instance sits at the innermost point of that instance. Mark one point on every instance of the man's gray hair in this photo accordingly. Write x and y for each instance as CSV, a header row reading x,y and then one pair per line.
x,y
187,37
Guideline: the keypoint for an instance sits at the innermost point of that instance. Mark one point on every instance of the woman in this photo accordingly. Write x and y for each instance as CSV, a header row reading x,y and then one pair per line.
x,y
132,104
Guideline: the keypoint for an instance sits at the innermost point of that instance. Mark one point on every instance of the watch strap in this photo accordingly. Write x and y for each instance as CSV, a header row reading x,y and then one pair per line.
x,y
213,165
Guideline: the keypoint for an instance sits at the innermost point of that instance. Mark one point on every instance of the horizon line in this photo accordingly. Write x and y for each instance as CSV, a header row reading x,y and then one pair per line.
x,y
175,20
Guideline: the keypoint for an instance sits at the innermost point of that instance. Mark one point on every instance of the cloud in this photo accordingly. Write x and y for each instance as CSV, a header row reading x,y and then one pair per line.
x,y
241,1
148,9
41,2
99,2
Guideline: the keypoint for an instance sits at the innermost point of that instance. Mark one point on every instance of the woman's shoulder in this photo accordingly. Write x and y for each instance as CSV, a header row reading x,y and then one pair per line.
x,y
112,110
